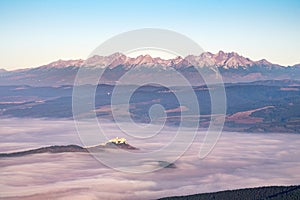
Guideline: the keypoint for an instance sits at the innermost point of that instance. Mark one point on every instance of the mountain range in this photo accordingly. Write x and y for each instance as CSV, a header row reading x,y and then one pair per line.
x,y
232,66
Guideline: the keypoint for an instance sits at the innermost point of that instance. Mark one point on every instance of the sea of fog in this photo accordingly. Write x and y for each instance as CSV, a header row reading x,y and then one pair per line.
x,y
238,160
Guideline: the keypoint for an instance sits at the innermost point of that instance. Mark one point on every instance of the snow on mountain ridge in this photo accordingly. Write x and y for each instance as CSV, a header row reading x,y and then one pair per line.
x,y
63,63
206,59
232,66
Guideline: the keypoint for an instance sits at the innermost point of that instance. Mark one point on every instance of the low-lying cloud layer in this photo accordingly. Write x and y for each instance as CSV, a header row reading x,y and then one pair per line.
x,y
238,160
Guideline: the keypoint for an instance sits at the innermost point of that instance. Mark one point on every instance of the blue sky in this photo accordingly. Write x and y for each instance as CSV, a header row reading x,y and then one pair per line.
x,y
37,32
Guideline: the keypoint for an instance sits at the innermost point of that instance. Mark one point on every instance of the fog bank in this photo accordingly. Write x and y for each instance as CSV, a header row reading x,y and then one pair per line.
x,y
238,160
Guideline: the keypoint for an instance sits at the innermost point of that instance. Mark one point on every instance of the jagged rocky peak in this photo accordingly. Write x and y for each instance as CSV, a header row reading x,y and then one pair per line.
x,y
205,59
263,62
63,63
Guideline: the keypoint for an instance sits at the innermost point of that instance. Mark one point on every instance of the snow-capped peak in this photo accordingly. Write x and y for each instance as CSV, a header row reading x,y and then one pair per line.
x,y
206,59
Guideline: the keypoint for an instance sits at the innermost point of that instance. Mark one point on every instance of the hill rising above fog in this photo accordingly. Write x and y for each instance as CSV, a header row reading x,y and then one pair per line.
x,y
112,144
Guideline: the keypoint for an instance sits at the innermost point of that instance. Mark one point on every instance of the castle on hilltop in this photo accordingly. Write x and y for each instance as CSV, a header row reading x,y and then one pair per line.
x,y
117,140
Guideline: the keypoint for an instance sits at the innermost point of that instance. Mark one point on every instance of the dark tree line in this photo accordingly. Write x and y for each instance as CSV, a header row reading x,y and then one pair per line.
x,y
261,193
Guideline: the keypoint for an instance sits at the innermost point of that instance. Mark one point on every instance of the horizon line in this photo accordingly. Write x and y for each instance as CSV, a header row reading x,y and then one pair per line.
x,y
154,57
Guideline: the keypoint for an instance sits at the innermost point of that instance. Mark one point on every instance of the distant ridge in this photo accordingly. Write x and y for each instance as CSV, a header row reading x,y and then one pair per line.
x,y
50,149
232,66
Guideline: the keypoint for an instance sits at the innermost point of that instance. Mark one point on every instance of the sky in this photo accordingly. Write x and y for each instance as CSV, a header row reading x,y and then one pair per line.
x,y
36,32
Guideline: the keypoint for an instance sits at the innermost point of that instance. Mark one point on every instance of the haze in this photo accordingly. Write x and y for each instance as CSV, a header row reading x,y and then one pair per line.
x,y
239,160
